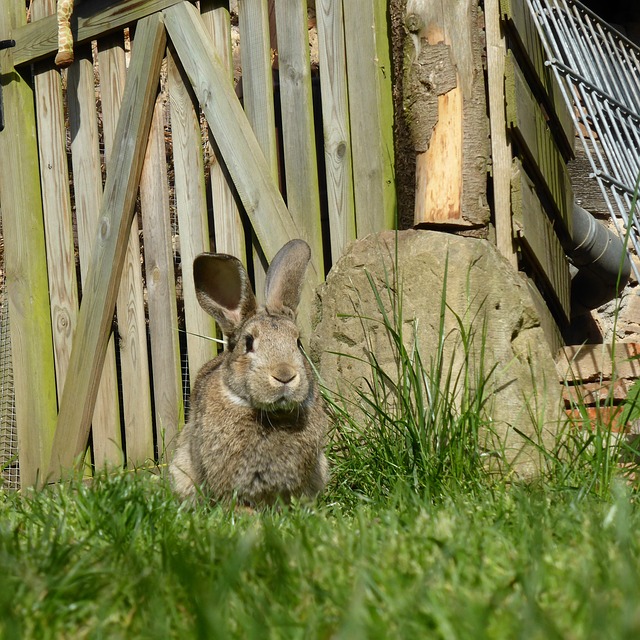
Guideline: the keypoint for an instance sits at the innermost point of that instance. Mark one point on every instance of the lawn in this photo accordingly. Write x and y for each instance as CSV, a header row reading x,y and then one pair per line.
x,y
415,537
121,558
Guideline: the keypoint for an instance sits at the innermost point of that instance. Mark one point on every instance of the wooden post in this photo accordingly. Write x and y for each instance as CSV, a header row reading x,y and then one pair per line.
x,y
445,103
25,264
500,146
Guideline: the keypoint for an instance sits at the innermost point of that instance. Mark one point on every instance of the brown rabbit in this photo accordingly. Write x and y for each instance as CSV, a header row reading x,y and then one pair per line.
x,y
257,427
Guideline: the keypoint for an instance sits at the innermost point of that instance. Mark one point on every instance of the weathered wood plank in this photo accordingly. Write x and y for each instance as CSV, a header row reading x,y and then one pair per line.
x,y
536,233
500,147
132,326
444,99
116,212
529,128
271,221
258,100
161,289
243,157
87,177
439,168
335,115
191,206
527,46
371,115
25,265
56,200
298,134
90,19
257,77
227,223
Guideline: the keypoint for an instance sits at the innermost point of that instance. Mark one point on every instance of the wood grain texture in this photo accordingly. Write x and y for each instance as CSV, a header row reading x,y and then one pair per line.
x,y
161,289
100,291
87,177
262,201
25,266
537,145
90,19
536,234
242,154
56,201
445,107
227,223
335,116
500,146
527,46
439,170
371,115
191,206
258,100
132,326
298,134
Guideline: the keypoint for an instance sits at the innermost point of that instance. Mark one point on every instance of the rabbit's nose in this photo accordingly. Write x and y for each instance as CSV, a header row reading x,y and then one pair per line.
x,y
283,373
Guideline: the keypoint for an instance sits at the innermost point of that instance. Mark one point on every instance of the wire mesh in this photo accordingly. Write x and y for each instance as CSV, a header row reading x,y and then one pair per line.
x,y
9,467
598,70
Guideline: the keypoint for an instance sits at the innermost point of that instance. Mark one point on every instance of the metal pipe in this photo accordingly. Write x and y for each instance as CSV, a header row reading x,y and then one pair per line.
x,y
602,264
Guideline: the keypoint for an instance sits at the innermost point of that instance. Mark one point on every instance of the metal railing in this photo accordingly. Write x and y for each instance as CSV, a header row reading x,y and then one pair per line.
x,y
598,70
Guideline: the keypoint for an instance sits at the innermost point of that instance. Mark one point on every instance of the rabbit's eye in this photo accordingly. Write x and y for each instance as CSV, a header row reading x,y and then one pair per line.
x,y
248,343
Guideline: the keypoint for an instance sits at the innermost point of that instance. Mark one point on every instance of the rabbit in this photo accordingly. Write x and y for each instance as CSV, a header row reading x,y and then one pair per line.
x,y
257,426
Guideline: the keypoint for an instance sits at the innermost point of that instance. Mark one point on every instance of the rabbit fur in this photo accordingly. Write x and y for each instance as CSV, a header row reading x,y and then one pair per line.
x,y
257,427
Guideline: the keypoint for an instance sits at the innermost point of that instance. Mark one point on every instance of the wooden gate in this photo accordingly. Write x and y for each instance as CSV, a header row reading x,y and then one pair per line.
x,y
117,173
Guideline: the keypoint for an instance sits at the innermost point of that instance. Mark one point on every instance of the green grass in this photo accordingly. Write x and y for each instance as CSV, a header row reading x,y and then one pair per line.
x,y
120,558
414,537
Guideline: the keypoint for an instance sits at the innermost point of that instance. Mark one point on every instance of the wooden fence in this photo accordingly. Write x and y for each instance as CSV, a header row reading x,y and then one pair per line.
x,y
118,172
533,198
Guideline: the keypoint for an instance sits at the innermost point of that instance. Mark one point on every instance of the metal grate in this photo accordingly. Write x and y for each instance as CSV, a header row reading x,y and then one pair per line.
x,y
602,72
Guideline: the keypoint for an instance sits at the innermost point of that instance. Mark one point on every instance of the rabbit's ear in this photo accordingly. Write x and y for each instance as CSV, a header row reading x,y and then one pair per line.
x,y
285,277
223,290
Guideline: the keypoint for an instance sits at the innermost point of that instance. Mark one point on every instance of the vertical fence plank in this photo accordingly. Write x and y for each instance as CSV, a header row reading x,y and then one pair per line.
x,y
227,223
262,201
257,96
298,132
87,180
161,288
25,265
371,114
56,200
116,212
132,327
335,115
191,205
500,145
63,287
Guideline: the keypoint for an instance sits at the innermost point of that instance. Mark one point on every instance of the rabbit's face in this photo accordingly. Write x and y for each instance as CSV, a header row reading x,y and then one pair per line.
x,y
268,370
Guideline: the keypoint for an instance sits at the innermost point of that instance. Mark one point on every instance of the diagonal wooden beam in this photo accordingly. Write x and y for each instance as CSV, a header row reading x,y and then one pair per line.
x,y
101,285
269,216
39,39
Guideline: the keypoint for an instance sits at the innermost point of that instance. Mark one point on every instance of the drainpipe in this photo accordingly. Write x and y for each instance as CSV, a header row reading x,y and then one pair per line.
x,y
601,264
